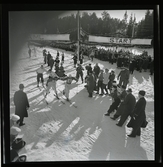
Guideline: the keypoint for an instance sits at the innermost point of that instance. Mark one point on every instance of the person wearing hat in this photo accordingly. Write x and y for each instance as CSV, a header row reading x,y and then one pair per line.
x,y
21,104
100,80
106,80
138,115
91,83
122,96
14,120
111,79
79,72
88,68
129,104
14,131
115,101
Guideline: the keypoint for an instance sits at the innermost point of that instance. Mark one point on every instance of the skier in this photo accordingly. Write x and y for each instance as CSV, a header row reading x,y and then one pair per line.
x,y
40,72
68,80
51,83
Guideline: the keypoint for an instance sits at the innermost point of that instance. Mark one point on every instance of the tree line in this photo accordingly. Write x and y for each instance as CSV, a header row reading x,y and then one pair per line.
x,y
103,26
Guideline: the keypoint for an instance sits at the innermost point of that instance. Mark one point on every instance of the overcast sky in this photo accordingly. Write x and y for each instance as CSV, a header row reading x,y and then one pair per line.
x,y
139,14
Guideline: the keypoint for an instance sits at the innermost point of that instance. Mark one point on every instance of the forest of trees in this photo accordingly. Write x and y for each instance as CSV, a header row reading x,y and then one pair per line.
x,y
103,26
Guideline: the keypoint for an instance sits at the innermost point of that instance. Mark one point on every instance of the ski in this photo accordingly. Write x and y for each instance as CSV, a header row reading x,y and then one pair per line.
x,y
59,99
72,103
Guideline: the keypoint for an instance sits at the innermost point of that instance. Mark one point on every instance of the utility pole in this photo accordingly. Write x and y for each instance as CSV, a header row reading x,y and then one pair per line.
x,y
78,35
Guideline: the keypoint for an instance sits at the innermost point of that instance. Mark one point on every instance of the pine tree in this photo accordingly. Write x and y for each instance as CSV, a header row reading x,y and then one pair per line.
x,y
130,27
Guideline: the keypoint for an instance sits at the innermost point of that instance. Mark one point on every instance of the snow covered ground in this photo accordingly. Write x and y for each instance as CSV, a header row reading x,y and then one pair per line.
x,y
61,132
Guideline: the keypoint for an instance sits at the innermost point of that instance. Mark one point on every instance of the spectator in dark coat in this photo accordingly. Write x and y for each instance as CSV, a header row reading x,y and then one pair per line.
x,y
132,66
21,104
111,79
123,77
89,69
115,101
79,72
129,104
51,63
48,58
75,60
138,115
96,70
90,83
120,109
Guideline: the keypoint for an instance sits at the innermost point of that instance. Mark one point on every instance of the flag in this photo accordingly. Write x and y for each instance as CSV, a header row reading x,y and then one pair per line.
x,y
83,36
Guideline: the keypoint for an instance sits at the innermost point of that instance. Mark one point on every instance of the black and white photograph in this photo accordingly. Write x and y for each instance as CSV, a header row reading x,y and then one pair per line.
x,y
81,85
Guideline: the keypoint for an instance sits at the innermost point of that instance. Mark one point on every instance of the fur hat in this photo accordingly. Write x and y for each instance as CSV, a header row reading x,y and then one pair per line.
x,y
15,130
15,117
129,90
142,92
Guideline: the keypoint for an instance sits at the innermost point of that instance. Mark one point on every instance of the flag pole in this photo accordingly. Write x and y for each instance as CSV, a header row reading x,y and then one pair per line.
x,y
78,35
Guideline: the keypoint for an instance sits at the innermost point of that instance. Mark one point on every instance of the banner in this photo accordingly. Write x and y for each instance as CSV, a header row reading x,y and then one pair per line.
x,y
114,40
141,41
50,37
120,41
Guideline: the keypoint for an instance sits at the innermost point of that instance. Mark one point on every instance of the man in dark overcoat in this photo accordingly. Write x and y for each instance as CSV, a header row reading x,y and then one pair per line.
x,y
90,83
138,115
129,104
21,104
48,58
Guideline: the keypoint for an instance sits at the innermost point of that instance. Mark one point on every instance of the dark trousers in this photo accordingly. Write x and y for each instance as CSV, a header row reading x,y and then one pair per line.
x,y
105,88
136,131
123,118
79,75
100,86
40,76
20,121
113,107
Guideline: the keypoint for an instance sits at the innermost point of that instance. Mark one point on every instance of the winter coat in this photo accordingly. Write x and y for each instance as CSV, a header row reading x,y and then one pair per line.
x,y
121,106
129,103
124,75
138,113
21,103
90,83
96,70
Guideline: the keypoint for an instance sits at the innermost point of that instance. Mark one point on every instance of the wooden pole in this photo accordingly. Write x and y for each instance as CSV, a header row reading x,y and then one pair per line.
x,y
78,35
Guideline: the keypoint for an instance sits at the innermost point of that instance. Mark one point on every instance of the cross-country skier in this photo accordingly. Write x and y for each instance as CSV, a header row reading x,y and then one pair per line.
x,y
68,80
40,72
51,83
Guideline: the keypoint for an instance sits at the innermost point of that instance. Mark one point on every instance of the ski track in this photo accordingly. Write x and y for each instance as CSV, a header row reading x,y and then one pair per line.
x,y
60,132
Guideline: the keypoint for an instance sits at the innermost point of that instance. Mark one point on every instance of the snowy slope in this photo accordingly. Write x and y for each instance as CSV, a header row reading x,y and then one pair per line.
x,y
61,132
